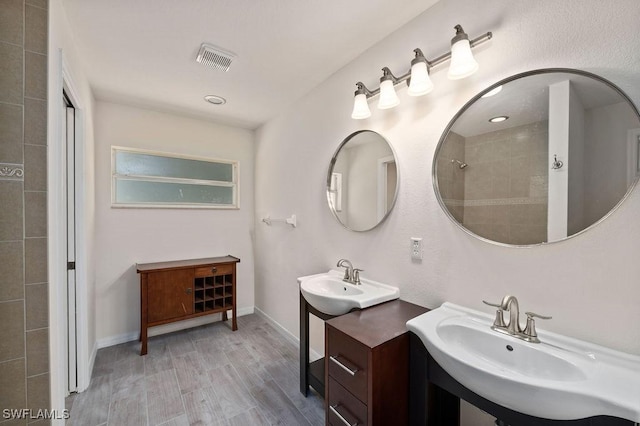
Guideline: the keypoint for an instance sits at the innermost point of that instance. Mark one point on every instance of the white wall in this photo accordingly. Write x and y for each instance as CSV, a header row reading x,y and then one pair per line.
x,y
560,95
125,237
583,282
606,176
62,47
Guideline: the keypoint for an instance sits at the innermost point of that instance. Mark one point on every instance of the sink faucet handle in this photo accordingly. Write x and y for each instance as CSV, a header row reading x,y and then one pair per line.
x,y
534,315
499,321
495,305
530,330
356,275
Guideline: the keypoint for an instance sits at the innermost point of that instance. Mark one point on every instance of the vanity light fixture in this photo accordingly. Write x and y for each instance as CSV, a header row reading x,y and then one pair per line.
x,y
462,65
462,62
360,106
388,97
499,119
419,83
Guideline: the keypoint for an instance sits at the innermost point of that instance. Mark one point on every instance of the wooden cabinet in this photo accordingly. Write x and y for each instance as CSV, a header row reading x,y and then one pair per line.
x,y
178,290
367,365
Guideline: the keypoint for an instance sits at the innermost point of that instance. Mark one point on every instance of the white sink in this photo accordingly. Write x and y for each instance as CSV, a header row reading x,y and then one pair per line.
x,y
329,294
560,378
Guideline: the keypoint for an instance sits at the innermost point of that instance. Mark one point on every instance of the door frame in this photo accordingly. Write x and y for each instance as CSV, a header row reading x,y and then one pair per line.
x,y
382,185
57,237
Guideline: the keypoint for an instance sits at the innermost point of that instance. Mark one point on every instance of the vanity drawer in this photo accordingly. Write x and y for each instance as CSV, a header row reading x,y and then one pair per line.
x,y
347,361
342,403
207,271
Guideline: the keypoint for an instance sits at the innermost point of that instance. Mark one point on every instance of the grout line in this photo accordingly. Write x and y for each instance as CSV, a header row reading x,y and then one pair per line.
x,y
36,6
35,53
13,359
14,44
24,218
12,300
34,99
12,104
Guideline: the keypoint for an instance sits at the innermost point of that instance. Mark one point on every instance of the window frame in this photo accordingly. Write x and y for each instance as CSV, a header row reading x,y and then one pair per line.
x,y
235,182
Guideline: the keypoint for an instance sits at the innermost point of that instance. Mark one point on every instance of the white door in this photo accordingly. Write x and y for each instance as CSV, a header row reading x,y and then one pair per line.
x,y
72,351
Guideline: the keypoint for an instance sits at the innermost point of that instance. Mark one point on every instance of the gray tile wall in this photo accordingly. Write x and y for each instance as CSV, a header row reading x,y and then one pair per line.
x,y
450,177
24,322
507,178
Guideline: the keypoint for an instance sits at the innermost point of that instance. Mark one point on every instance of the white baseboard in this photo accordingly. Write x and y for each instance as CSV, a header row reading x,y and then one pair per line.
x,y
92,361
313,355
167,328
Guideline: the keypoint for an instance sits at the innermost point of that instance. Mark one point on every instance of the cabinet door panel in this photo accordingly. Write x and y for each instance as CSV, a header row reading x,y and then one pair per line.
x,y
170,294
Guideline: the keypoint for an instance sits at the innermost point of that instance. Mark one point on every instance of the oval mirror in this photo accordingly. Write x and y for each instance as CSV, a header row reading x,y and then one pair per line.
x,y
362,182
538,157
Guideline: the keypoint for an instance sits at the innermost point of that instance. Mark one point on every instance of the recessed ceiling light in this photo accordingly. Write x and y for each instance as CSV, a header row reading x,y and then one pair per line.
x,y
215,100
499,119
492,92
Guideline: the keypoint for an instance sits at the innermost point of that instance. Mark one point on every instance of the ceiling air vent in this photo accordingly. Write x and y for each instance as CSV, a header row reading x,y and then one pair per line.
x,y
214,57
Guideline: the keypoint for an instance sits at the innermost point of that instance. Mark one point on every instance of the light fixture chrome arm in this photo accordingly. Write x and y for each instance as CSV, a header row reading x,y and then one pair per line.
x,y
363,90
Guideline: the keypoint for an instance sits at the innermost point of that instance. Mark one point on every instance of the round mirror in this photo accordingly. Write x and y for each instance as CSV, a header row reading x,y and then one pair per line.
x,y
538,157
362,182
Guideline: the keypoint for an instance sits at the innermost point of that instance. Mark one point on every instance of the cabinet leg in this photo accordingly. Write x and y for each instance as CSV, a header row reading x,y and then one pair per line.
x,y
234,322
304,347
224,316
143,339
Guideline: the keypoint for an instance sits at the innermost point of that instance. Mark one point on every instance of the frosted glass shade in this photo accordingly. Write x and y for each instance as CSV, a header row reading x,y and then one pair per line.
x,y
388,96
420,83
360,107
462,62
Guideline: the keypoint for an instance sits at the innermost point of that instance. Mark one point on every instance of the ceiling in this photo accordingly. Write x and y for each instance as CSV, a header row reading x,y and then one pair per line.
x,y
526,101
143,52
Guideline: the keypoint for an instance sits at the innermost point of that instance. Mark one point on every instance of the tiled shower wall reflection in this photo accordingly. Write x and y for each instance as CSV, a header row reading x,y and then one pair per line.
x,y
506,184
502,193
24,328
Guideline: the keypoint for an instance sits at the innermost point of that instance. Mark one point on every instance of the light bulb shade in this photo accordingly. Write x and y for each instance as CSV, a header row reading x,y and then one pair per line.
x,y
462,62
360,107
388,96
420,83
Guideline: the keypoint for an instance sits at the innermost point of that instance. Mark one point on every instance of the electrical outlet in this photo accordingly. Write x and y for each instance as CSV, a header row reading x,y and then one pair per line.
x,y
416,248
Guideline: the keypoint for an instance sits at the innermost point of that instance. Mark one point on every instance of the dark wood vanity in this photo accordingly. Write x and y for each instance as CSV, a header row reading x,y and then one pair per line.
x,y
366,368
178,290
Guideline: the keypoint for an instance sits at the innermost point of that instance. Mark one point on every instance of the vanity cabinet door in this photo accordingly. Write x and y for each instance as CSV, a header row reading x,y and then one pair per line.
x,y
170,294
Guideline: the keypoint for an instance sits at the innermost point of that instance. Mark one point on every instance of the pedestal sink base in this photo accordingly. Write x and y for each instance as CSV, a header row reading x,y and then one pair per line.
x,y
435,398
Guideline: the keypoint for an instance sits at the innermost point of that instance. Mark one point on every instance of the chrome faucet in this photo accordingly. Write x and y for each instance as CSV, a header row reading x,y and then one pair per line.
x,y
351,274
510,303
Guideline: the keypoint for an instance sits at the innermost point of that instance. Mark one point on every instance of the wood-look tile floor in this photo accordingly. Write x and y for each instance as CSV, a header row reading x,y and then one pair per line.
x,y
207,375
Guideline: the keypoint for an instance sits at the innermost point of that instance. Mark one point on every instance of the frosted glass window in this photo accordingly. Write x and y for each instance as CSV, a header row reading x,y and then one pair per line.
x,y
139,164
147,179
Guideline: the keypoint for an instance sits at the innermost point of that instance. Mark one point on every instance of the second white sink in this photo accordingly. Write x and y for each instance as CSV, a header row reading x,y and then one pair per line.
x,y
329,294
560,378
